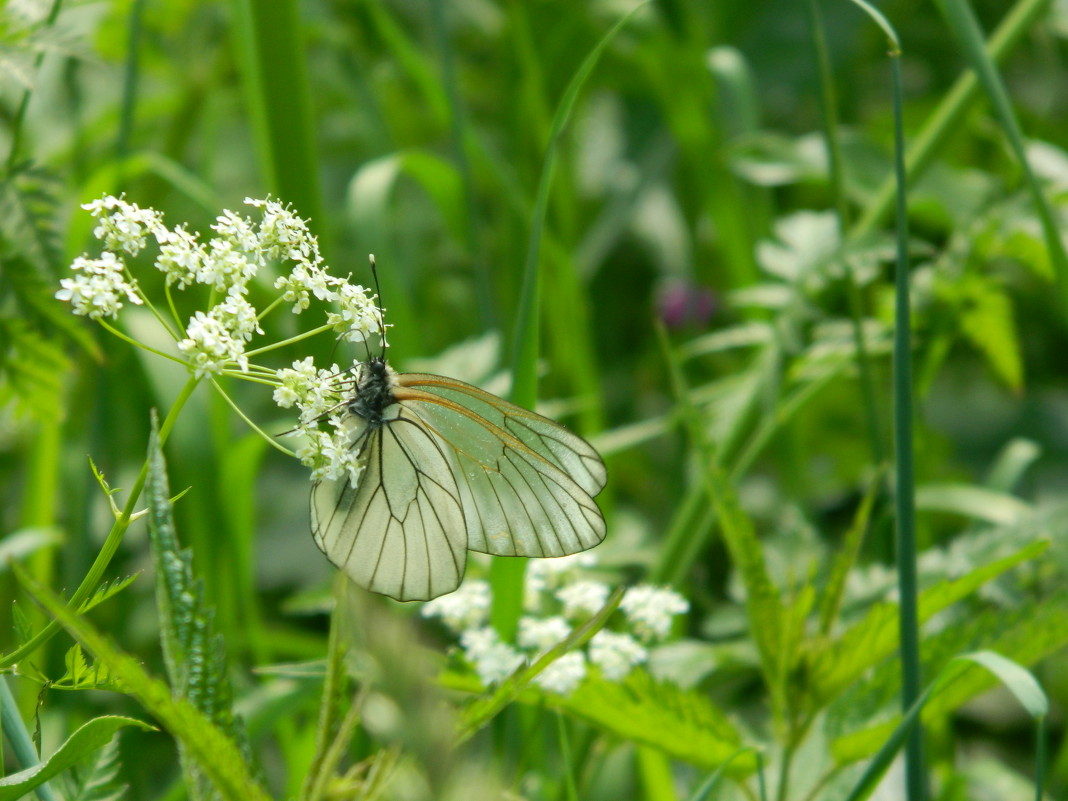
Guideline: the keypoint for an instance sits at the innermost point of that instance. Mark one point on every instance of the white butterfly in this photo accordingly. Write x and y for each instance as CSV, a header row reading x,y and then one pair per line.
x,y
448,468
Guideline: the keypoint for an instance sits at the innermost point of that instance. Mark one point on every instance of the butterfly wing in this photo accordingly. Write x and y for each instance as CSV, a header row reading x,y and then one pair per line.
x,y
526,483
400,529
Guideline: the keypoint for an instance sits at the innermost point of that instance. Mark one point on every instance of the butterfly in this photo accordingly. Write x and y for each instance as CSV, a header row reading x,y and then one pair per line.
x,y
447,468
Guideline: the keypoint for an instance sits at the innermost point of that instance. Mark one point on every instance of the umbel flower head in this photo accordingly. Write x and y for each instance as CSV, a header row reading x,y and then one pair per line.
x,y
276,249
559,597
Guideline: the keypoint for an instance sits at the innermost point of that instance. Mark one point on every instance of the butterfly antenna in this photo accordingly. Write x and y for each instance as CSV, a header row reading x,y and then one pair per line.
x,y
378,305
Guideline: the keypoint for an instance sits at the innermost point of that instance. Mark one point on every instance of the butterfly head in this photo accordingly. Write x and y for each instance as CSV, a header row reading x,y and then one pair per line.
x,y
375,382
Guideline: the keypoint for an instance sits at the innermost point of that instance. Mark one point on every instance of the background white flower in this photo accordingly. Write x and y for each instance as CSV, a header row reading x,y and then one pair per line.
x,y
563,675
541,634
651,609
582,597
466,608
493,659
616,654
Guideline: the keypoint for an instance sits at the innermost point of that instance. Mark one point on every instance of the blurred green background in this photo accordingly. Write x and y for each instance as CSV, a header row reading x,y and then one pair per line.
x,y
691,188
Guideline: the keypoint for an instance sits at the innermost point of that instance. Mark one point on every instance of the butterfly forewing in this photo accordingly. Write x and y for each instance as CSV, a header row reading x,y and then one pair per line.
x,y
400,530
525,482
568,451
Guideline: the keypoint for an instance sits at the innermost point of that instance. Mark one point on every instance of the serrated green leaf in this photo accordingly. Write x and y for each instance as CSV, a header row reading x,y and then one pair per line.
x,y
105,591
214,753
33,368
81,675
1024,636
195,655
831,599
684,724
988,322
834,667
21,624
99,781
87,739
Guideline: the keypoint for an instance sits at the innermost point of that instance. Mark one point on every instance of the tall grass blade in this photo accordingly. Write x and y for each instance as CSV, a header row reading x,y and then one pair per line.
x,y
277,92
966,28
506,576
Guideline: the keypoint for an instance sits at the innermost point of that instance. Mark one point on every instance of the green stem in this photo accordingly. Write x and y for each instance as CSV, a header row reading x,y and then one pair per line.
x,y
111,544
828,106
947,117
21,743
113,330
905,502
290,341
237,410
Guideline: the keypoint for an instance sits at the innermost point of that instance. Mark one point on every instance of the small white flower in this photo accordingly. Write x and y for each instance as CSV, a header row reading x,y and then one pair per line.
x,y
284,235
297,382
238,315
563,675
466,608
582,597
181,257
237,230
358,316
493,659
217,339
210,346
315,392
541,634
303,281
99,287
650,610
330,455
616,654
128,227
226,267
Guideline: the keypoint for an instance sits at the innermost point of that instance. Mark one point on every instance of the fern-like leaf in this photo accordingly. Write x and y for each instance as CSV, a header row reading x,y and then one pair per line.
x,y
99,781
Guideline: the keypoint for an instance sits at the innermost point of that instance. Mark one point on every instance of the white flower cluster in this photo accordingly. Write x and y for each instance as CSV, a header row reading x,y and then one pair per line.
x,y
320,396
558,584
98,288
214,339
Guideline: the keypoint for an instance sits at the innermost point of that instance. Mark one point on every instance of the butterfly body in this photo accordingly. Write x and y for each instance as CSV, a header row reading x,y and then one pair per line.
x,y
374,391
446,468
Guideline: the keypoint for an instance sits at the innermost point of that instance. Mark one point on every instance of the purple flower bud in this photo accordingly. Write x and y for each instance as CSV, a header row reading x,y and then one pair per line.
x,y
686,305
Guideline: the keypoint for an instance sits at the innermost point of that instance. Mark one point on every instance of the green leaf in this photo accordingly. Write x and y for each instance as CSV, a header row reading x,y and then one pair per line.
x,y
82,676
962,21
100,780
834,667
25,541
1024,635
214,752
684,724
977,503
195,654
87,739
831,599
107,590
988,322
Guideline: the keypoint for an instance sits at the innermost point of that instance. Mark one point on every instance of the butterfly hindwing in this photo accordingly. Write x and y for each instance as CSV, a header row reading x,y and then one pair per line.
x,y
400,529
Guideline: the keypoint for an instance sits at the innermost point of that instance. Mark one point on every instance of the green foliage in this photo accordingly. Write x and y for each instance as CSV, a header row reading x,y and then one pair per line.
x,y
557,177
194,652
88,739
